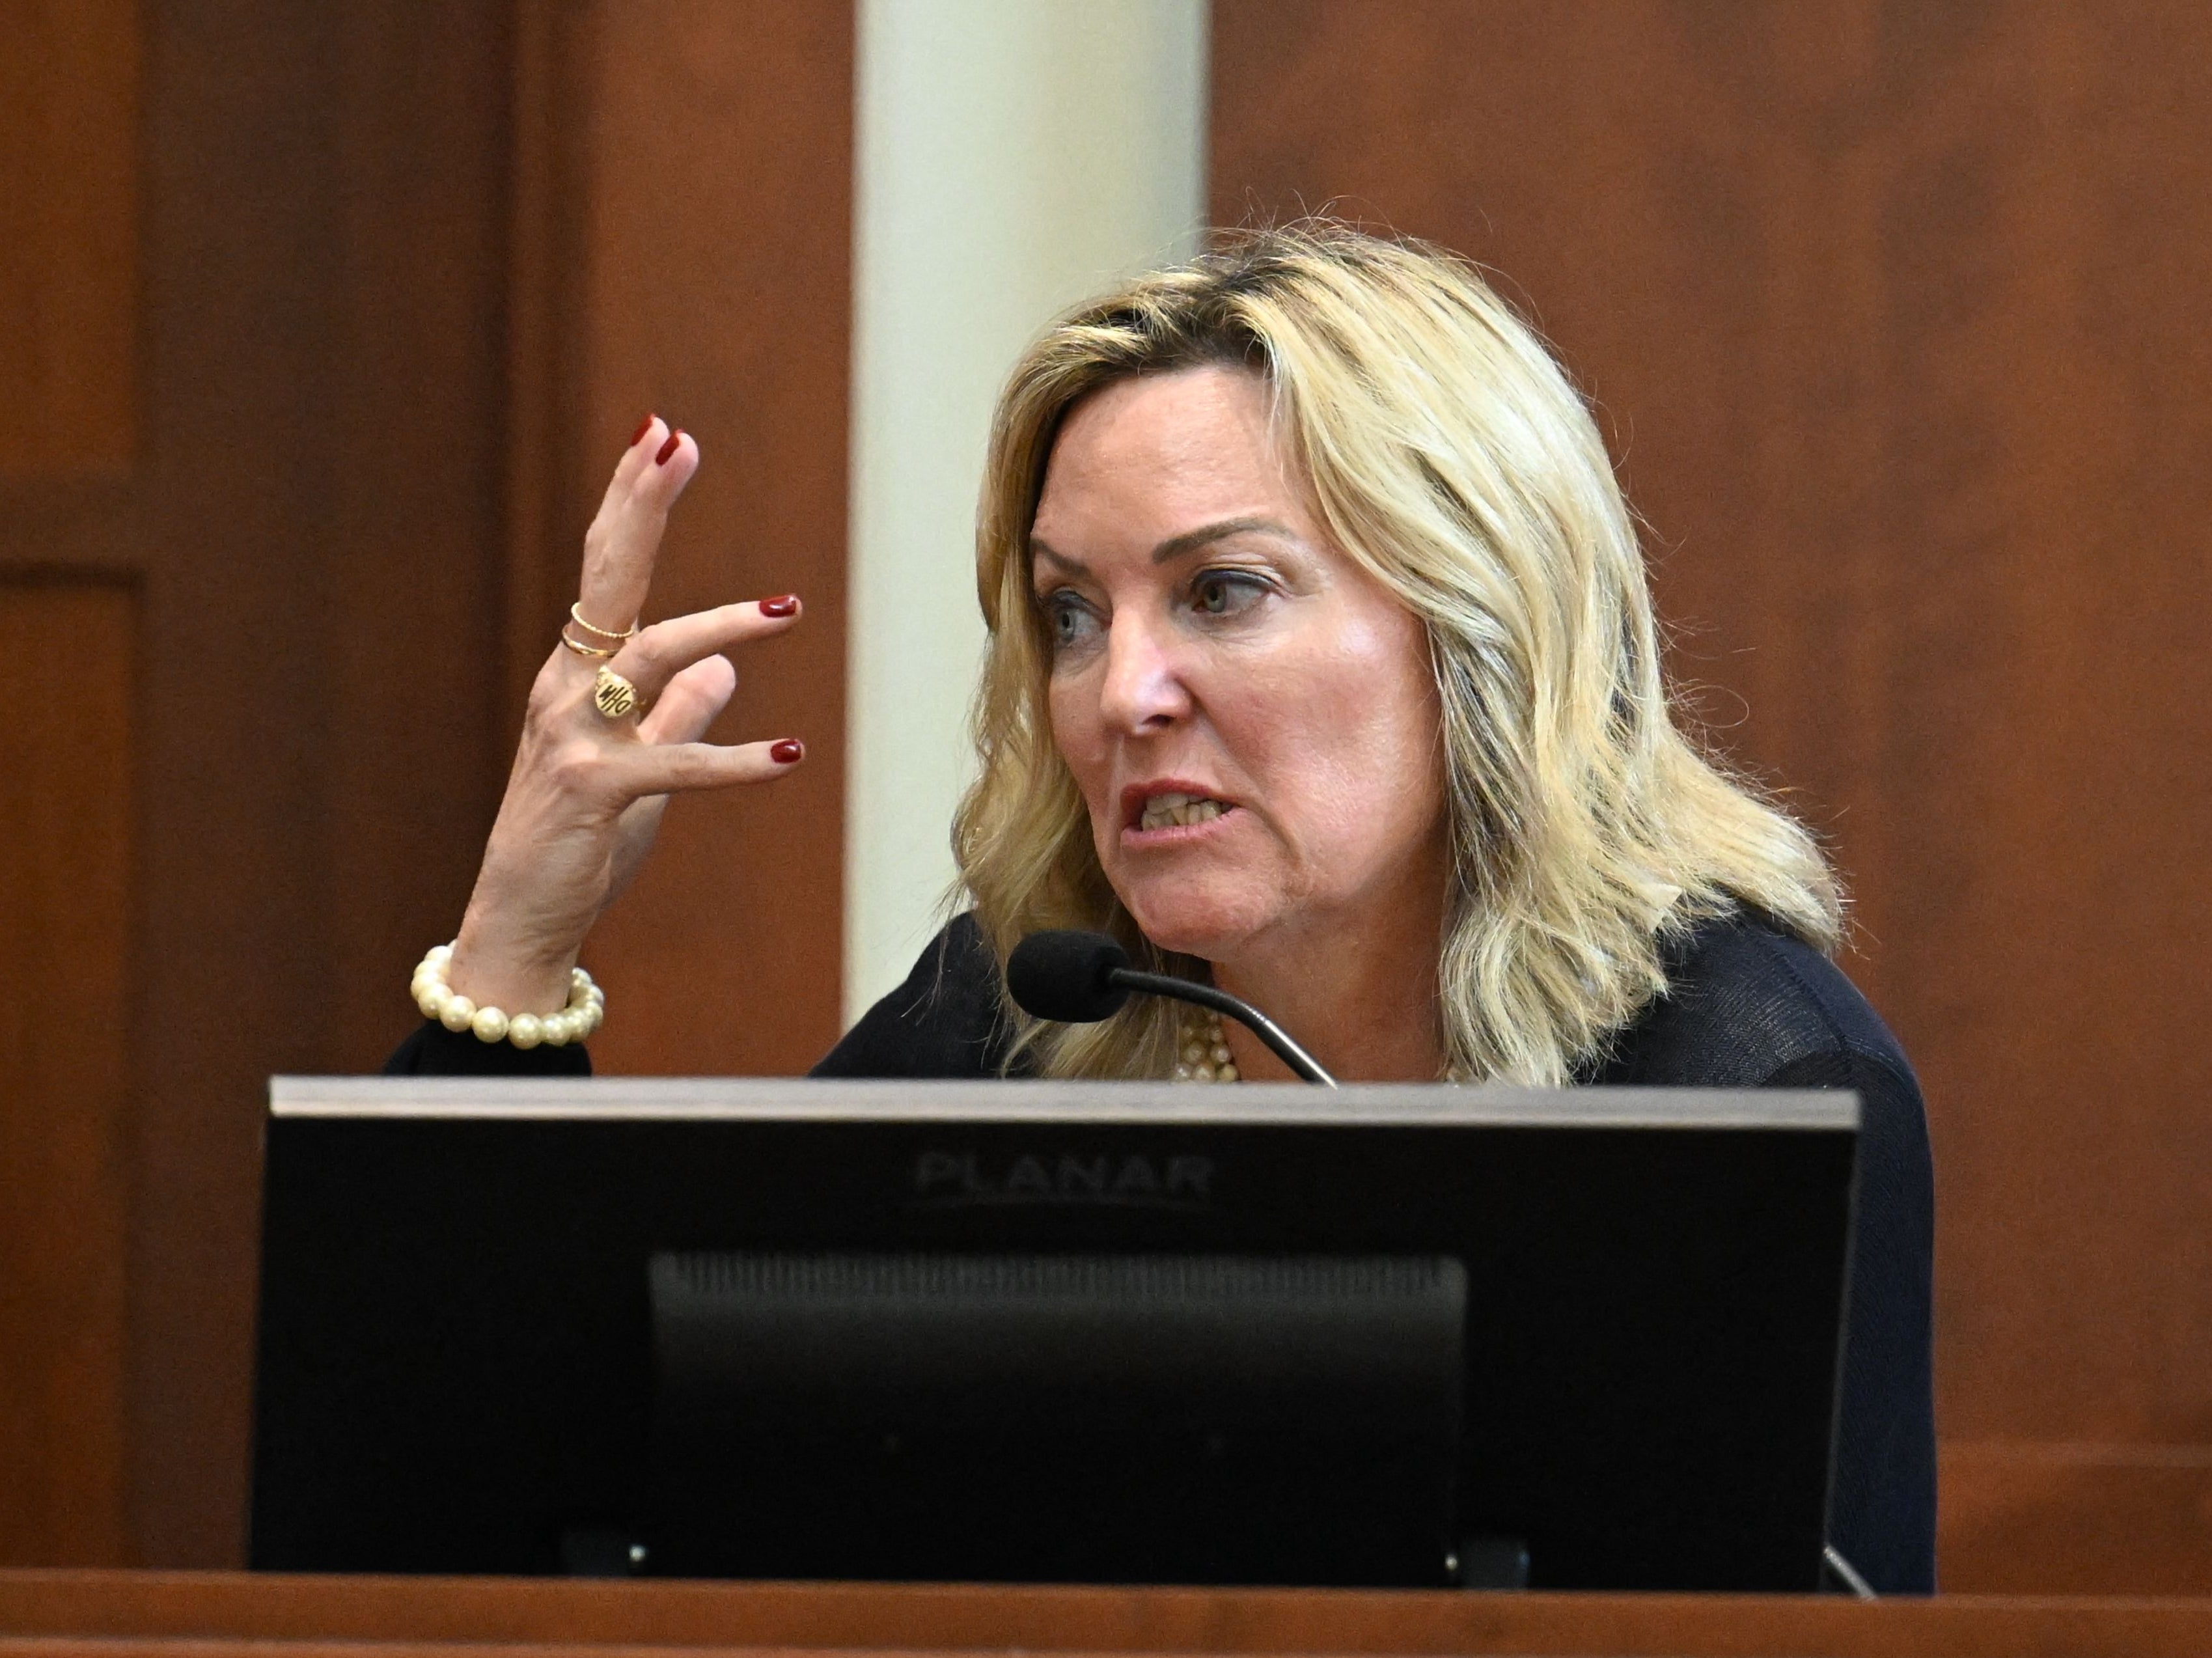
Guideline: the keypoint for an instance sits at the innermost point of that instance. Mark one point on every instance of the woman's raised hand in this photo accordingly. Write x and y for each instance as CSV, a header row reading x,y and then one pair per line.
x,y
586,793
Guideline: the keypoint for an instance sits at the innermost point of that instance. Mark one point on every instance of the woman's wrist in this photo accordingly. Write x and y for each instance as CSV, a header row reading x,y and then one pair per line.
x,y
496,963
499,979
583,1007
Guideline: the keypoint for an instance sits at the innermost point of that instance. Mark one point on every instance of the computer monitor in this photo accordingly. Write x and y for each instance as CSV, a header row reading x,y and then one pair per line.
x,y
1050,1332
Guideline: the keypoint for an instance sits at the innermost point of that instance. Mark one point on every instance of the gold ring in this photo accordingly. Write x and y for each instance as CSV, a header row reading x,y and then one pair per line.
x,y
613,696
576,616
582,649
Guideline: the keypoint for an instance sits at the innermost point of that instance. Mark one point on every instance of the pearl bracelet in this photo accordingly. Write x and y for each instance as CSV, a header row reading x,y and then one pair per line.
x,y
587,1005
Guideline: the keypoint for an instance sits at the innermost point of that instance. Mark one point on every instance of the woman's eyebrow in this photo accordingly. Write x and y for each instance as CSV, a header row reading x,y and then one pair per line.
x,y
1190,541
1174,547
1040,547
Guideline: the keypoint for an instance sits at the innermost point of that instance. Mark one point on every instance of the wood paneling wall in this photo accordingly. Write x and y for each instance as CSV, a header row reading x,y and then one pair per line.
x,y
692,258
69,176
65,824
69,94
405,275
1894,315
318,526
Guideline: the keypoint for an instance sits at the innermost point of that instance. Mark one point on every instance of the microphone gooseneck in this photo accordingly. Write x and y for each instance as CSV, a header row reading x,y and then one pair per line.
x,y
1079,978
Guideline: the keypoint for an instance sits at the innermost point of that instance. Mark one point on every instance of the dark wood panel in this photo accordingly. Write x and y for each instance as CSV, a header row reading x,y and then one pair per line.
x,y
214,1612
319,525
2047,1518
414,551
1894,317
72,528
69,130
65,1015
695,260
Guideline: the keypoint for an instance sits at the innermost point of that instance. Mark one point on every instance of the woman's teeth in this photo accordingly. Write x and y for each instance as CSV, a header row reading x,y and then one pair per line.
x,y
1179,812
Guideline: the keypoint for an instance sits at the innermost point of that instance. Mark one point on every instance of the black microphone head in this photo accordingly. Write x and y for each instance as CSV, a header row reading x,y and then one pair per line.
x,y
1061,976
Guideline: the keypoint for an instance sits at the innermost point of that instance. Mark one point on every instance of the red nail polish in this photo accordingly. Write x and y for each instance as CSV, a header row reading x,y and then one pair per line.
x,y
643,427
786,605
788,752
668,448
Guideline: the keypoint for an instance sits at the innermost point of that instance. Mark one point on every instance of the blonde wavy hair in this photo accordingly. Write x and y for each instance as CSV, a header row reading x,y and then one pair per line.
x,y
1446,453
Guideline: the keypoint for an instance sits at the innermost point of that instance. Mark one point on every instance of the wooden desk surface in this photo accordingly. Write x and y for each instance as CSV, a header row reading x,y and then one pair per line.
x,y
107,1614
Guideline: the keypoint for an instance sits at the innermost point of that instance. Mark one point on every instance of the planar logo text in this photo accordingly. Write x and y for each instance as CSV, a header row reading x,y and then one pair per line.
x,y
947,1179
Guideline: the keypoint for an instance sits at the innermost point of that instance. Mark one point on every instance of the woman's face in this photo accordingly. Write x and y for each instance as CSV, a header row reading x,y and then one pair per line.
x,y
1250,715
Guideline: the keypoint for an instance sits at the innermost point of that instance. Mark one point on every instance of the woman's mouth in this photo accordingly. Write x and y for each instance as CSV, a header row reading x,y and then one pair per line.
x,y
1177,811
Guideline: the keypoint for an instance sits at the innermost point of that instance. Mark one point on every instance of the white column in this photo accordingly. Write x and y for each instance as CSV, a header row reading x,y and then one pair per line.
x,y
1012,157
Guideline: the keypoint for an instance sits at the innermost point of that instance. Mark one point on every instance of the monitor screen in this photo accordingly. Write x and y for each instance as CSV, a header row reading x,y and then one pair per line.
x,y
1044,1417
1105,1333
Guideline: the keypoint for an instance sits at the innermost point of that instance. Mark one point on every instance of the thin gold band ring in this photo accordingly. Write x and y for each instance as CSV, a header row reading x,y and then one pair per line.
x,y
582,649
576,616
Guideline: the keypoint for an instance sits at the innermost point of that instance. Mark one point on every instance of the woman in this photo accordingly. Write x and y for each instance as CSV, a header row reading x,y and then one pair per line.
x,y
1322,666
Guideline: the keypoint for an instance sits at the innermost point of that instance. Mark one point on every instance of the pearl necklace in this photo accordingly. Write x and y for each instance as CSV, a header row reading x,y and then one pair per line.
x,y
1202,1051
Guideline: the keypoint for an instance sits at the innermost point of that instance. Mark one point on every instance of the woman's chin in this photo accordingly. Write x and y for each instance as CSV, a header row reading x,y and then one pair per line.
x,y
1194,918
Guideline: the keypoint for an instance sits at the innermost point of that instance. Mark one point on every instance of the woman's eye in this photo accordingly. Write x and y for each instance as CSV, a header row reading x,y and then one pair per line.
x,y
1225,593
1073,623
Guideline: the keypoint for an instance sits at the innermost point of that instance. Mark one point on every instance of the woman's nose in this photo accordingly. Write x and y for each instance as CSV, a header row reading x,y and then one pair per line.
x,y
1144,690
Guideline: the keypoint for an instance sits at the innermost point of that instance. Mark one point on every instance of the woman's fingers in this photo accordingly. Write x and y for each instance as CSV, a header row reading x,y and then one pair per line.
x,y
684,711
694,699
653,660
678,768
624,538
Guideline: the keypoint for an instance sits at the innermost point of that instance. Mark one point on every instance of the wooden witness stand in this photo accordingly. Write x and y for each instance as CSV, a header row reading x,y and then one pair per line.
x,y
198,1615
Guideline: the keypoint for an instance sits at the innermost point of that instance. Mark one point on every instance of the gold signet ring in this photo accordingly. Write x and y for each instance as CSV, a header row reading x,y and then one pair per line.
x,y
613,696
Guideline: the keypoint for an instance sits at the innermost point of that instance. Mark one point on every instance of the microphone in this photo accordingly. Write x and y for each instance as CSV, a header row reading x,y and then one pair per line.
x,y
1080,978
